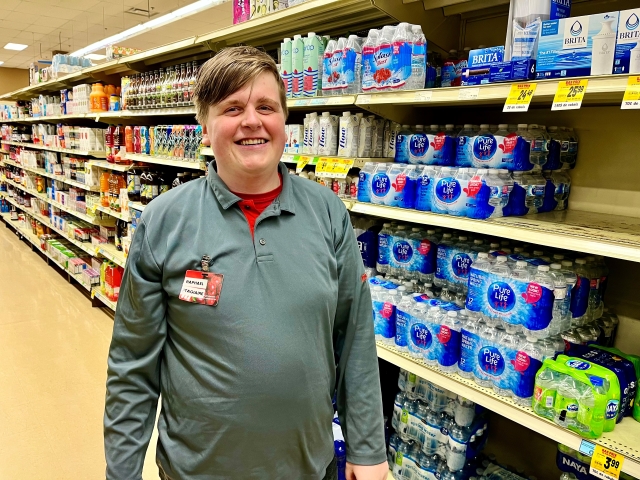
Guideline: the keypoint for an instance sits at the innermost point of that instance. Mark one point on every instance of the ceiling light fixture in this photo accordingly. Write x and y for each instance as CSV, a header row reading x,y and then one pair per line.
x,y
1,62
178,14
15,46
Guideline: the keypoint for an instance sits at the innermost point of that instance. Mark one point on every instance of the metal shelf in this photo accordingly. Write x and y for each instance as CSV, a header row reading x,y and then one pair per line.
x,y
624,439
97,154
169,161
109,251
613,236
103,298
108,211
330,101
42,196
137,206
60,178
118,167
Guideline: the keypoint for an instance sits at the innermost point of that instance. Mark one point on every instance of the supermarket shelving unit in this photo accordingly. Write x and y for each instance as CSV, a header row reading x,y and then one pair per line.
x,y
604,214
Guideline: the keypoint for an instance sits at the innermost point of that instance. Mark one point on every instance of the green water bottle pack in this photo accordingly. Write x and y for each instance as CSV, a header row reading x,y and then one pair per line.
x,y
578,395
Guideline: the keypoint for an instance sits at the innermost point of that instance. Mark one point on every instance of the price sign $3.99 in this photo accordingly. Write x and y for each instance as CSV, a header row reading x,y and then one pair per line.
x,y
606,464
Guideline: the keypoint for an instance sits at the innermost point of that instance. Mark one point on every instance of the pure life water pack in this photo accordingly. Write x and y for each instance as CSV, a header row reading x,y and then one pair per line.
x,y
577,46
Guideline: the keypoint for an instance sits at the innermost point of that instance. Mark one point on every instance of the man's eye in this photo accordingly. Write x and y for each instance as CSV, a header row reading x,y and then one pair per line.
x,y
232,110
266,107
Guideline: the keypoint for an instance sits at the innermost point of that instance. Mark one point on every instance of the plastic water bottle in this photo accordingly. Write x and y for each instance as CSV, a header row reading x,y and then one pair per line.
x,y
546,391
403,317
328,80
539,149
556,156
497,192
427,467
383,316
419,337
394,441
368,60
470,329
533,349
397,410
573,147
400,235
449,336
580,294
489,337
500,267
507,340
402,144
482,262
464,411
562,182
433,317
438,398
457,450
418,58
408,408
595,302
544,278
507,186
464,146
458,207
385,237
353,65
566,403
406,456
446,240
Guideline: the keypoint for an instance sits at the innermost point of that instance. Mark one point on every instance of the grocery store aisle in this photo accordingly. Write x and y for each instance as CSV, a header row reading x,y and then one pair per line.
x,y
53,351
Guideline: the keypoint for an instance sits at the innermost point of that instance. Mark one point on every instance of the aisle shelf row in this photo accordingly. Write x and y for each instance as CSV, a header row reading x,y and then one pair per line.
x,y
137,206
169,161
60,178
601,90
58,205
116,167
330,16
108,250
33,239
613,236
120,215
358,162
37,146
623,440
103,298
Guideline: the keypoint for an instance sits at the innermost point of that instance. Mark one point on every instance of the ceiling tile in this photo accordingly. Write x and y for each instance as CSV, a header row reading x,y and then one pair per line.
x,y
42,29
10,4
50,21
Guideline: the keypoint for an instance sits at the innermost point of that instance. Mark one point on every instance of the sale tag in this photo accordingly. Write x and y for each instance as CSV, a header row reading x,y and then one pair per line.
x,y
322,167
606,464
631,98
423,96
569,94
519,97
302,162
468,93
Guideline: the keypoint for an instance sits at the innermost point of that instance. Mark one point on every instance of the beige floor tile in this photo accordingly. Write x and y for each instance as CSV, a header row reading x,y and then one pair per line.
x,y
53,370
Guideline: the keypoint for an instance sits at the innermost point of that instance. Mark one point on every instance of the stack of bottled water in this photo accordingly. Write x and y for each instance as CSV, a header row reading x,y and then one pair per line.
x,y
394,58
438,434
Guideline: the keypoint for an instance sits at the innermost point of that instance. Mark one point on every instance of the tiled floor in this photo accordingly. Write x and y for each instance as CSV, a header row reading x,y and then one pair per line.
x,y
53,351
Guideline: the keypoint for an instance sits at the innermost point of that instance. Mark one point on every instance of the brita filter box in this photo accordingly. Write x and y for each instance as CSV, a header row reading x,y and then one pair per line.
x,y
577,46
627,57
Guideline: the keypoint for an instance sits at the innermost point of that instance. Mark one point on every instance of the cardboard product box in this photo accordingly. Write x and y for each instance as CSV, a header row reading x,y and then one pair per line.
x,y
577,46
487,65
627,55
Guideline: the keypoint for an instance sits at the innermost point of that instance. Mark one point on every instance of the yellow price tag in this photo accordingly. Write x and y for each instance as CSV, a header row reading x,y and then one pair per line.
x,y
323,166
631,98
519,97
606,464
302,162
569,94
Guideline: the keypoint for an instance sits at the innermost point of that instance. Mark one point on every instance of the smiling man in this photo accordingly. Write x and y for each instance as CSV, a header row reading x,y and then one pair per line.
x,y
243,303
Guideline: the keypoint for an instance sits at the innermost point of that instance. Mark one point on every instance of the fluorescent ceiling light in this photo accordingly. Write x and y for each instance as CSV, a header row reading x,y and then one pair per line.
x,y
95,56
183,12
1,62
15,46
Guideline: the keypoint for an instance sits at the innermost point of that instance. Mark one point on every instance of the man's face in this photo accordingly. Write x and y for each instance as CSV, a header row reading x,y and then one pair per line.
x,y
246,129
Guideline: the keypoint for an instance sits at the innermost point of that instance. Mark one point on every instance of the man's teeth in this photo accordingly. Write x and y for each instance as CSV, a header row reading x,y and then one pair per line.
x,y
253,141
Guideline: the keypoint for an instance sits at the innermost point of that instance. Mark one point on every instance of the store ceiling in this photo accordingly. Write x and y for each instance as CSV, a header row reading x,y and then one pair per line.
x,y
68,25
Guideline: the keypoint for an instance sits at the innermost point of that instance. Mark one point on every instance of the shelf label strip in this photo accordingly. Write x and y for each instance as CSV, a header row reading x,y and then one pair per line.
x,y
569,94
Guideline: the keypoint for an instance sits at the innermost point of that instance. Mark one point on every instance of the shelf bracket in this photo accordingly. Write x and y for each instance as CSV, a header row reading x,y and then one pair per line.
x,y
215,46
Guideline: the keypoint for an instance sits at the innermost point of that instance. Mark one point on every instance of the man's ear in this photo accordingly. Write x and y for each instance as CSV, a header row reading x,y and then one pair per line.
x,y
205,137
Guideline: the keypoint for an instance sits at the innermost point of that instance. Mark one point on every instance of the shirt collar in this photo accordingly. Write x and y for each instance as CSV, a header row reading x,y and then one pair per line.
x,y
226,198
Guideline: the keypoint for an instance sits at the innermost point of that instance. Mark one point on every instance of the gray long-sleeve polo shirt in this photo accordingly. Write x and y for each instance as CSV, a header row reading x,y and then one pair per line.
x,y
246,385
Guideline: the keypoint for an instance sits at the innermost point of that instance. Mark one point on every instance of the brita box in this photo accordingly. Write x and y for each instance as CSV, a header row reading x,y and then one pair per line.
x,y
577,46
628,44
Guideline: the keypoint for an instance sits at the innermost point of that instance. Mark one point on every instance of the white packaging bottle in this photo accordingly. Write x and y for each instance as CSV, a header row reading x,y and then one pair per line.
x,y
603,49
297,65
390,142
285,65
377,137
337,67
365,136
353,65
348,135
312,65
327,77
314,133
328,139
305,140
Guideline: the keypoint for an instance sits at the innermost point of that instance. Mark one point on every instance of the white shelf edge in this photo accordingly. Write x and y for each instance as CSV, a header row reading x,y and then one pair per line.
x,y
110,212
108,303
59,178
108,251
522,415
168,161
96,153
516,228
117,167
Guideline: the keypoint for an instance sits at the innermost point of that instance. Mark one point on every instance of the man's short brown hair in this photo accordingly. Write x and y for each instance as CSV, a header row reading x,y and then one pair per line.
x,y
229,71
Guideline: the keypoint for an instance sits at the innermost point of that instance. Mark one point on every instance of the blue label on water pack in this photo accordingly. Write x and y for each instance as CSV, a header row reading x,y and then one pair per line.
x,y
384,319
516,206
448,75
402,253
421,337
521,154
513,301
478,196
418,148
403,320
526,368
484,150
384,245
578,365
612,409
351,62
368,245
580,297
380,185
424,188
491,361
549,203
446,191
364,187
402,151
469,345
453,265
463,154
449,348
442,150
